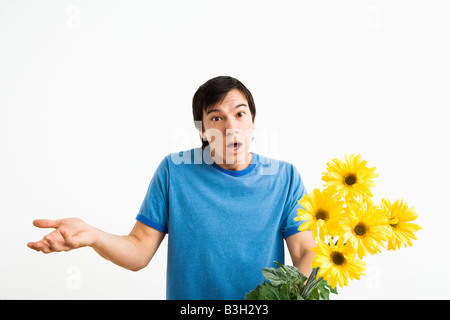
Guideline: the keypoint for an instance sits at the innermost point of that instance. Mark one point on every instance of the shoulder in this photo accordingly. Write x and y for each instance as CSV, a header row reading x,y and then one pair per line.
x,y
187,162
191,156
271,166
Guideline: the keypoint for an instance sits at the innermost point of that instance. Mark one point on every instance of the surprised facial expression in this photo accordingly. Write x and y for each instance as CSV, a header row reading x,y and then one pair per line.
x,y
228,127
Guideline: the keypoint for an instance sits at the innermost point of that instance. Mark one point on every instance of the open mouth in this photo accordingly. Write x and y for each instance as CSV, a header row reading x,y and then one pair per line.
x,y
234,146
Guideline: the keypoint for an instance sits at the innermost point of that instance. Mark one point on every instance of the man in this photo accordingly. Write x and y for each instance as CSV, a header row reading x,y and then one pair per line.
x,y
226,210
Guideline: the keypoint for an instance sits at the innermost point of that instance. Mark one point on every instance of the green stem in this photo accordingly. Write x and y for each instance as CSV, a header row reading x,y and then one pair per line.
x,y
311,283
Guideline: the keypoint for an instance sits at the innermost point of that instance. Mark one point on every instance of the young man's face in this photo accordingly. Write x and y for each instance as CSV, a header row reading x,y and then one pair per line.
x,y
229,130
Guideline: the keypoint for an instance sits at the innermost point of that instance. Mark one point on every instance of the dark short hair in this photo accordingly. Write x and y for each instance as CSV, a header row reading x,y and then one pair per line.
x,y
213,92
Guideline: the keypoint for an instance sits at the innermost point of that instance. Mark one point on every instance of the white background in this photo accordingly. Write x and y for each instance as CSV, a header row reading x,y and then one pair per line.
x,y
93,94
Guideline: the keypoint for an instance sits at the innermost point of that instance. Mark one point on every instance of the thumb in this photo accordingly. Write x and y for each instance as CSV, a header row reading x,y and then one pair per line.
x,y
45,223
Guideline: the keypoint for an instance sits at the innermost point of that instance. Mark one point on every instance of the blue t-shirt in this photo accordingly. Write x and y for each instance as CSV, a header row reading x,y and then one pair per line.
x,y
224,226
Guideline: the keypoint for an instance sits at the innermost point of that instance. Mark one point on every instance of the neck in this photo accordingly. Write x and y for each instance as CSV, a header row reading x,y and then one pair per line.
x,y
238,166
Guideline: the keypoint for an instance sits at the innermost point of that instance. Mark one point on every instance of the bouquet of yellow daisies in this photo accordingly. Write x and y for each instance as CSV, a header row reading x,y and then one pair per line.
x,y
347,225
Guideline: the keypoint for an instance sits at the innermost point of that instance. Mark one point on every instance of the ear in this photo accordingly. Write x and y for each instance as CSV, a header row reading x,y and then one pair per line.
x,y
199,127
201,133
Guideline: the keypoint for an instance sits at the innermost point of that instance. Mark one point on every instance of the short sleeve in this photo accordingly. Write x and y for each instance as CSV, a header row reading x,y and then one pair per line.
x,y
155,207
295,193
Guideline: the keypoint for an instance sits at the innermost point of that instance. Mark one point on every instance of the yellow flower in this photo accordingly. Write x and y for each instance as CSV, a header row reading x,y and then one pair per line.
x,y
399,217
336,262
349,178
366,227
322,213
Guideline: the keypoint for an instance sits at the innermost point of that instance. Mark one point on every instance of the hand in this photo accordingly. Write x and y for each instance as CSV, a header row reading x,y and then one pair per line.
x,y
70,233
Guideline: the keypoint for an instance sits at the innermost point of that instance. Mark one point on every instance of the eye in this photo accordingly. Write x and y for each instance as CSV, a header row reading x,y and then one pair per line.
x,y
241,114
215,119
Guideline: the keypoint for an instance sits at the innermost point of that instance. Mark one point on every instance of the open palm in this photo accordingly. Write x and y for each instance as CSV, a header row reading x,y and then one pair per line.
x,y
69,233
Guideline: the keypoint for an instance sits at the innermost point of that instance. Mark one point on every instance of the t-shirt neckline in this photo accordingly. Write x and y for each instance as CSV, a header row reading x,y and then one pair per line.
x,y
239,173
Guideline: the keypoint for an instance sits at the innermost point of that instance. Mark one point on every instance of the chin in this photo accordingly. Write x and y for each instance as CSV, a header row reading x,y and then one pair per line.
x,y
238,158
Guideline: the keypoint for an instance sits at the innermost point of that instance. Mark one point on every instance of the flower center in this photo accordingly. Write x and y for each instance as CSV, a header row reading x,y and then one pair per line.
x,y
350,179
393,222
321,215
337,258
360,229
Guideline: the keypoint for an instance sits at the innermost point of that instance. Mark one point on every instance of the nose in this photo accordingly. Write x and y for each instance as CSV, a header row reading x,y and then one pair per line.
x,y
231,128
232,132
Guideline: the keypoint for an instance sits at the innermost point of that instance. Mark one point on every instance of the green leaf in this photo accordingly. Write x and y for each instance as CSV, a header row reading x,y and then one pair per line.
x,y
331,289
282,266
262,292
314,295
323,290
298,296
287,283
284,292
293,273
276,276
254,294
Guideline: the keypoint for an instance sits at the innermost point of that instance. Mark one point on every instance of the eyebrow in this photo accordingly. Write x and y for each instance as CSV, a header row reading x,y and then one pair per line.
x,y
217,110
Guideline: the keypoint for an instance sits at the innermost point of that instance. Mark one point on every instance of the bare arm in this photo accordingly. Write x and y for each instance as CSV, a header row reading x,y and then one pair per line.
x,y
132,252
299,246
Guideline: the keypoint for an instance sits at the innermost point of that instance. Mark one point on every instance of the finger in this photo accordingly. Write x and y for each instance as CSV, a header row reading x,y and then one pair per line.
x,y
45,246
52,243
71,242
45,223
32,245
47,249
54,236
41,245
